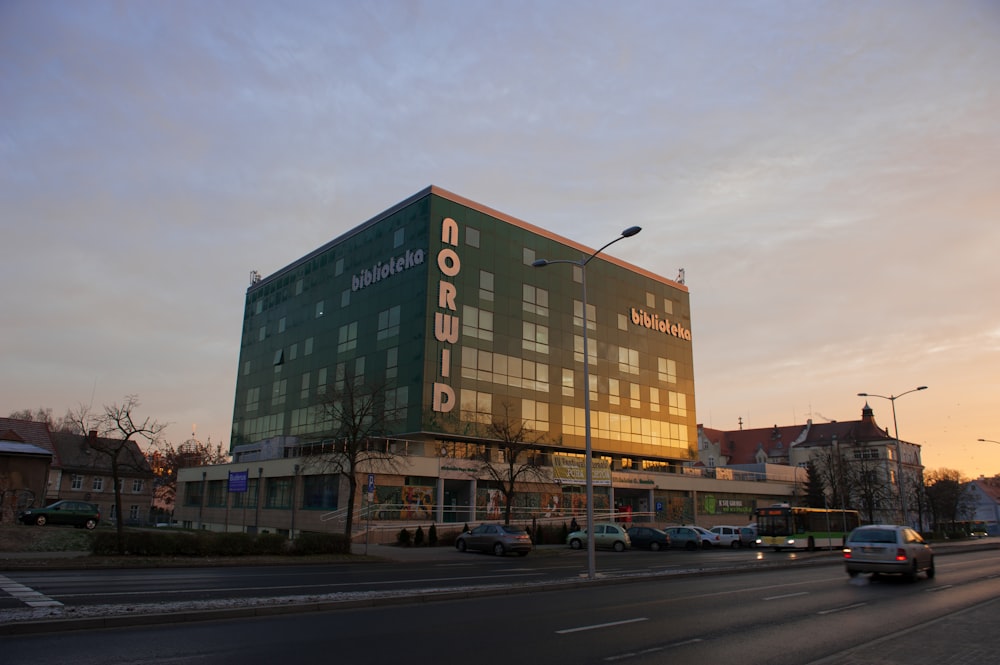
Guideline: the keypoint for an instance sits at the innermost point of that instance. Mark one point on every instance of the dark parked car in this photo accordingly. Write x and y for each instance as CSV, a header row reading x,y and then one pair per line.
x,y
887,548
646,537
496,538
684,536
77,513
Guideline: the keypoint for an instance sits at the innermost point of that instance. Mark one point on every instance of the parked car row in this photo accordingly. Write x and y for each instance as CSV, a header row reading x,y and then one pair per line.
x,y
502,539
80,514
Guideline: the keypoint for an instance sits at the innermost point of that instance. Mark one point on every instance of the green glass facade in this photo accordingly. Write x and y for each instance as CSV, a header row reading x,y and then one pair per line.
x,y
436,299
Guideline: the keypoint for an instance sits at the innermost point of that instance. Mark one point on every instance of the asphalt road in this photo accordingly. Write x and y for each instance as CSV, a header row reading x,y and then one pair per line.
x,y
445,570
784,616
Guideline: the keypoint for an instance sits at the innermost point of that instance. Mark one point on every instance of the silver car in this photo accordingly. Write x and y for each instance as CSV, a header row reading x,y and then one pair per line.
x,y
496,538
888,548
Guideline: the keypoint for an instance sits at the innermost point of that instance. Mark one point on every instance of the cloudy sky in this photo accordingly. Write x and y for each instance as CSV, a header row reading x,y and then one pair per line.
x,y
827,174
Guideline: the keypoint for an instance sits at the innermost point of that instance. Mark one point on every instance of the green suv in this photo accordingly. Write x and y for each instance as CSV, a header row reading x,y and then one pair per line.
x,y
78,513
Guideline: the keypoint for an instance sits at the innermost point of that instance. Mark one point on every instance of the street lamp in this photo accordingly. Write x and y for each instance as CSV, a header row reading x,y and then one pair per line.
x,y
899,456
588,462
988,441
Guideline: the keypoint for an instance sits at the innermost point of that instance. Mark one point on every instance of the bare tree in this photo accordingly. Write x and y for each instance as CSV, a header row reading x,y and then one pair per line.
x,y
165,460
867,485
949,502
511,459
356,418
115,432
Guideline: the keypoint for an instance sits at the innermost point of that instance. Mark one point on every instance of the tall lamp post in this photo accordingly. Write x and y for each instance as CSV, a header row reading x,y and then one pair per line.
x,y
899,456
988,441
588,462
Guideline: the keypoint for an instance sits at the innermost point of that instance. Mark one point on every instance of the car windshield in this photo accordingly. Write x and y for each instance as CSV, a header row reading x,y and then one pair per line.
x,y
874,536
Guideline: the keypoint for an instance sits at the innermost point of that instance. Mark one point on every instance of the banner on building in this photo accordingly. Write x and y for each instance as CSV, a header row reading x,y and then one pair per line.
x,y
238,481
573,470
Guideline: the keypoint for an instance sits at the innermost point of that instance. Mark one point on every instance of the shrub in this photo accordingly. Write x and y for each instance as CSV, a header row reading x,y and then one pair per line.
x,y
432,536
403,537
321,543
418,537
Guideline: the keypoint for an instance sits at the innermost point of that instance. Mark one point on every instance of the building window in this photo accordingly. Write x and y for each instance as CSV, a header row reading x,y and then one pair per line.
x,y
578,350
338,267
486,290
654,400
677,403
308,347
650,300
578,315
345,297
388,323
133,513
622,322
534,300
278,493
477,323
281,324
396,402
261,333
278,392
304,387
398,237
321,381
471,236
246,368
535,337
476,406
666,370
528,256
568,383
293,352
628,360
253,398
668,305
98,484
137,486
249,498
347,337
216,496
299,285
633,396
614,396
392,363
320,492
76,482
535,415
319,309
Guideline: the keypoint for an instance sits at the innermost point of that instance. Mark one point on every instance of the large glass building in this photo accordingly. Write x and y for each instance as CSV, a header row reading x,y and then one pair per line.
x,y
437,300
436,304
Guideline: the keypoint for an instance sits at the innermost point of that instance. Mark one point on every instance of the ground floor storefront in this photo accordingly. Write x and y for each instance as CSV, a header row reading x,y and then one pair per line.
x,y
288,496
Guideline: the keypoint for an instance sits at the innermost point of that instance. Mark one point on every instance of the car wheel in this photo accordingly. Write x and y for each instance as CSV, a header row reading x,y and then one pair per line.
x,y
90,524
734,544
499,549
575,543
619,546
655,547
705,545
930,570
460,545
40,520
690,545
852,573
914,571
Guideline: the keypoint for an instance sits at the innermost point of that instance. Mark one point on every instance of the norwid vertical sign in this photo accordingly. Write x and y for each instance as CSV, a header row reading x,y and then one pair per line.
x,y
238,481
446,321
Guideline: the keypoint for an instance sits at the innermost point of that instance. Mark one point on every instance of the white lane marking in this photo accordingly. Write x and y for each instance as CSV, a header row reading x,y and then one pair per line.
x,y
598,626
25,594
841,609
787,595
644,652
